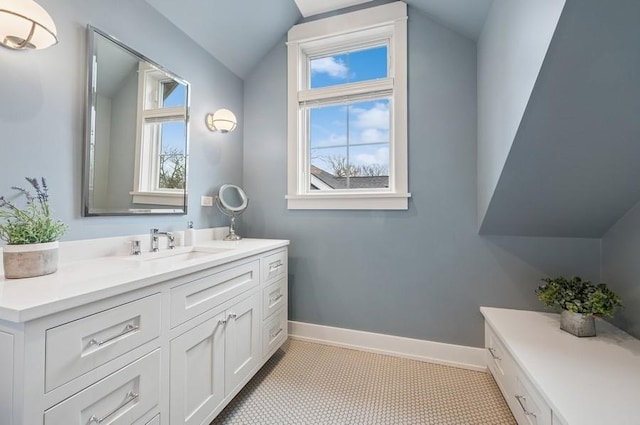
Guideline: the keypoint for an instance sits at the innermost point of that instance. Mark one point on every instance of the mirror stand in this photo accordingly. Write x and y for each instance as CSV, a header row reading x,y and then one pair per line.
x,y
232,236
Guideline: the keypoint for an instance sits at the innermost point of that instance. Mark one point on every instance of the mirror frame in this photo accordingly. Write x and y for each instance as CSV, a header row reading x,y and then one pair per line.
x,y
223,204
90,100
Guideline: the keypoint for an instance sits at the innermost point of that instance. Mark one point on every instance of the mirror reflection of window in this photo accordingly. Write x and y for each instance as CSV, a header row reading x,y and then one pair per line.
x,y
173,164
161,152
173,94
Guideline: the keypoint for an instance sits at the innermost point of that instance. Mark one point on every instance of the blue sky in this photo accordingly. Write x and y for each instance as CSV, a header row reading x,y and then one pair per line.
x,y
358,131
173,132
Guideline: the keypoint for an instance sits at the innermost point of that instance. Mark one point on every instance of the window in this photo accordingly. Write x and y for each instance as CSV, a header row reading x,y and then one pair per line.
x,y
161,159
347,111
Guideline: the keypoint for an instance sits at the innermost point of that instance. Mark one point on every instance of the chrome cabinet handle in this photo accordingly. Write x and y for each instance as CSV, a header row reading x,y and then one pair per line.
x,y
232,316
131,396
493,353
273,268
127,330
274,299
521,399
222,322
273,335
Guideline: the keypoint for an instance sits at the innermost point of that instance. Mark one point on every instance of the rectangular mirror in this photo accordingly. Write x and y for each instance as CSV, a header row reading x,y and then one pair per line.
x,y
137,133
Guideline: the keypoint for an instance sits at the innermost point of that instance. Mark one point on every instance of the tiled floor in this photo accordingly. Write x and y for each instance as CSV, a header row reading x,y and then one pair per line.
x,y
307,383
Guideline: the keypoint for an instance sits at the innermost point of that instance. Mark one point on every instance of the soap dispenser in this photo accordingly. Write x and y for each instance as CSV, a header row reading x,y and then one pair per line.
x,y
190,235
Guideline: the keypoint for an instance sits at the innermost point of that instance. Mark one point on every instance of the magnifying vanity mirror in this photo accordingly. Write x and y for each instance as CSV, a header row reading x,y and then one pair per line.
x,y
136,141
232,201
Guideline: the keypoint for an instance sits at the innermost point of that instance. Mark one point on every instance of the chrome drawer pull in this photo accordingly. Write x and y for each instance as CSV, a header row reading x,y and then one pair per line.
x,y
273,268
274,299
521,399
131,396
128,329
222,322
232,316
273,335
493,353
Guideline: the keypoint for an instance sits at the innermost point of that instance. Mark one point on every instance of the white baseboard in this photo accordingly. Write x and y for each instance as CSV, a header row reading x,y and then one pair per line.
x,y
434,352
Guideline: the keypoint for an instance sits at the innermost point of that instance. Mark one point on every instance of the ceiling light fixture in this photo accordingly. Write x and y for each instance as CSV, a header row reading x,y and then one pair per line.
x,y
223,120
24,24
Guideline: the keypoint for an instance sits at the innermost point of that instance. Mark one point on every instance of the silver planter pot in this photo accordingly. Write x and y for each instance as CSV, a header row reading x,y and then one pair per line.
x,y
578,324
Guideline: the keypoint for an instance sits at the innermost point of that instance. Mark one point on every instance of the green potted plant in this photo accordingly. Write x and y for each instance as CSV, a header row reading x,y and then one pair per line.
x,y
580,300
30,233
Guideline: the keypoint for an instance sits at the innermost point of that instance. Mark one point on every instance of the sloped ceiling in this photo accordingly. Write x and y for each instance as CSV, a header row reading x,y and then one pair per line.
x,y
240,32
464,16
236,32
574,167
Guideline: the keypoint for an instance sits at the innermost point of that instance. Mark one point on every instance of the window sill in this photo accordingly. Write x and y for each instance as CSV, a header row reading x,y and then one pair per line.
x,y
176,199
351,201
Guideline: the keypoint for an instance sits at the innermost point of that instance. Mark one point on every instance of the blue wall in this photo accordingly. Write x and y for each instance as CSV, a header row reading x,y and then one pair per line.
x,y
420,273
621,268
42,112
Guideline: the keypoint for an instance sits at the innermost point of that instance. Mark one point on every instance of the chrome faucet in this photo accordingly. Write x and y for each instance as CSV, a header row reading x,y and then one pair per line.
x,y
155,237
135,248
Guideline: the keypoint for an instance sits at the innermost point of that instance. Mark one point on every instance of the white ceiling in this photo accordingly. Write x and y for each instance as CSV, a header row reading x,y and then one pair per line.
x,y
240,32
315,7
464,16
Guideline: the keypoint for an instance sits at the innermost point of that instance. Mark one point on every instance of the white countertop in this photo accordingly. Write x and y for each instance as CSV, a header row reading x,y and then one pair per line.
x,y
585,381
91,279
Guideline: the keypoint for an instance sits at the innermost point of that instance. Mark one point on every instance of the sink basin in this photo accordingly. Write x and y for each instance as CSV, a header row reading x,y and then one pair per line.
x,y
178,255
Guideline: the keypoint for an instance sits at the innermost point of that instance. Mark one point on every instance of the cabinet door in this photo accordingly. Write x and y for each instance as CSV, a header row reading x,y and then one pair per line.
x,y
243,350
197,372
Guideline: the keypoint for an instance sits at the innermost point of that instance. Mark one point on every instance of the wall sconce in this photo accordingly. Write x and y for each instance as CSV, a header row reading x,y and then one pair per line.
x,y
24,24
223,120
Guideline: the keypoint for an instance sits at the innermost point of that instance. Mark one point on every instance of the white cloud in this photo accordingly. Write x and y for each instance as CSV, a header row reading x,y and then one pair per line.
x,y
379,156
334,68
332,140
375,118
374,135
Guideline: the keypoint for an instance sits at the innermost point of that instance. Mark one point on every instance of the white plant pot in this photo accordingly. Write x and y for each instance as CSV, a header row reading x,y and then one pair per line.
x,y
30,260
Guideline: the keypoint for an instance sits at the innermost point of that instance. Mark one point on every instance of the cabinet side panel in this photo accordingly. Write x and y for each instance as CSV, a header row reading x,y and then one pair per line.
x,y
6,377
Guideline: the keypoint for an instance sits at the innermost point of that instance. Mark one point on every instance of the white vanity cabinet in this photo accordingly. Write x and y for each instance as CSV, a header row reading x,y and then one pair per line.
x,y
550,377
169,345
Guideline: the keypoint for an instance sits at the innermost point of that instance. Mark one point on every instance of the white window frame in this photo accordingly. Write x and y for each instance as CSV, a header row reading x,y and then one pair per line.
x,y
348,32
146,174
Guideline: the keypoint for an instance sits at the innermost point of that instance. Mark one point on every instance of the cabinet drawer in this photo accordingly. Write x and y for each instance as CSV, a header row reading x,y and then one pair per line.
x,y
274,296
274,266
196,297
555,420
274,332
499,361
118,399
80,346
530,407
154,421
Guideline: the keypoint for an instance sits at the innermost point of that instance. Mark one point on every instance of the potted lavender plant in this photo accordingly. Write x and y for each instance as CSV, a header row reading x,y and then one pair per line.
x,y
31,234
